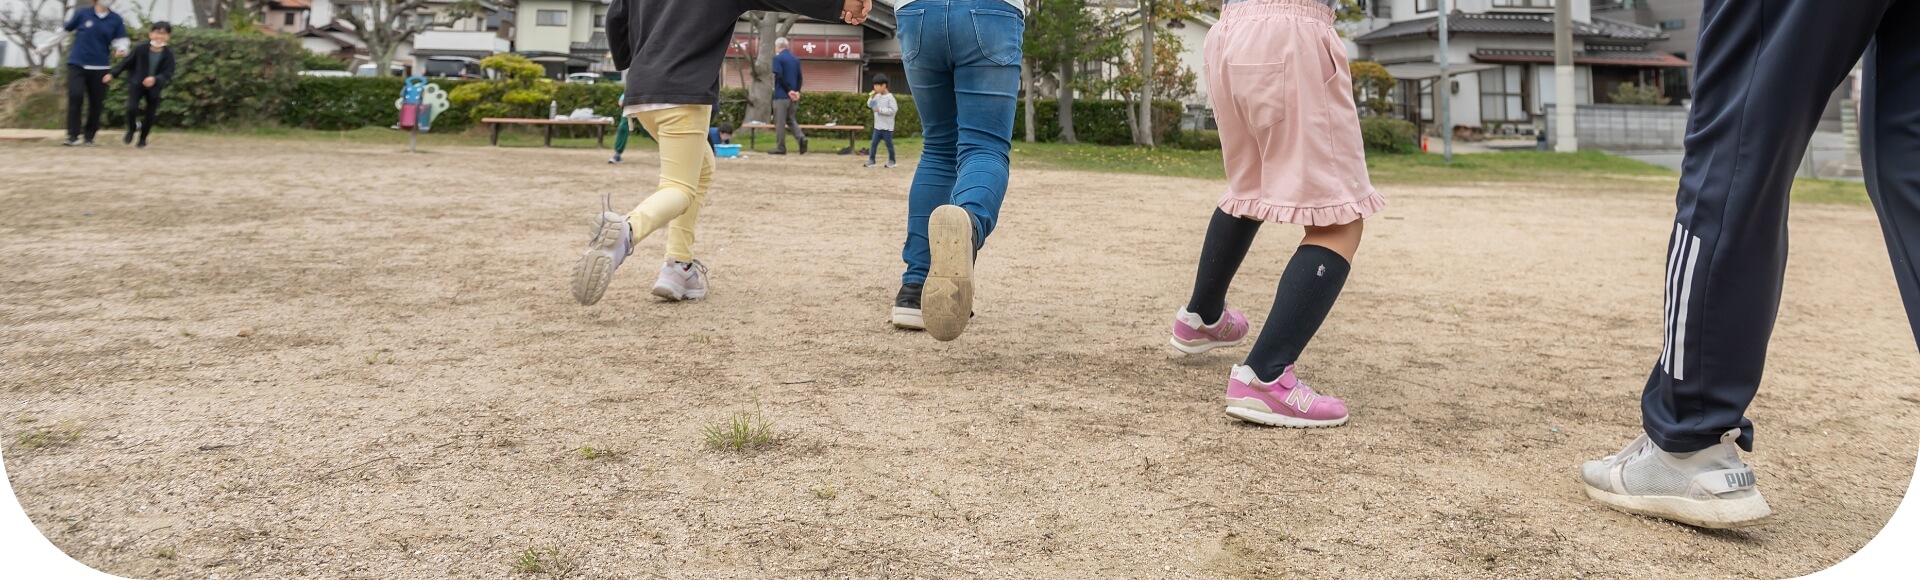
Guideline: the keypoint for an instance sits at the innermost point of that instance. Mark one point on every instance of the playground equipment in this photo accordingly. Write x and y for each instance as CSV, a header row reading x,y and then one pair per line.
x,y
419,103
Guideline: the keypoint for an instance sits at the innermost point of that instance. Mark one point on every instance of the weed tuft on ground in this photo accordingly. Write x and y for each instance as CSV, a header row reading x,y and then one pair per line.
x,y
743,431
47,437
591,452
542,561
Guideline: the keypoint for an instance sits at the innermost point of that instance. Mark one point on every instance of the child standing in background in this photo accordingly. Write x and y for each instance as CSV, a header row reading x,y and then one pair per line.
x,y
151,65
670,50
1290,135
884,107
622,128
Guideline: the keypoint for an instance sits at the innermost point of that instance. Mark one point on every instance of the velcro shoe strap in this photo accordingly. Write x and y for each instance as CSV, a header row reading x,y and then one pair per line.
x,y
1725,480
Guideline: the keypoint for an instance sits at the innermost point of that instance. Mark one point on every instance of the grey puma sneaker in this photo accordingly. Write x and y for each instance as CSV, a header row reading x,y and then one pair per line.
x,y
1709,488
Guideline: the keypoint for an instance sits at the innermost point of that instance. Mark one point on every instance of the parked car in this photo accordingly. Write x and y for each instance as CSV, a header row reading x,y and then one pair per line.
x,y
584,78
367,70
325,73
454,67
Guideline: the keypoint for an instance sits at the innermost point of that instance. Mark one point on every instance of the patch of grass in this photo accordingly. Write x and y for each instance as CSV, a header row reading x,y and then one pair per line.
x,y
478,137
542,561
382,356
1830,191
47,437
826,492
187,333
742,431
166,553
1513,167
590,452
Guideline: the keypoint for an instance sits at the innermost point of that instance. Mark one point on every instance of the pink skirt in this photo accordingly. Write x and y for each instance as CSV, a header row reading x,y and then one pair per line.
x,y
1283,96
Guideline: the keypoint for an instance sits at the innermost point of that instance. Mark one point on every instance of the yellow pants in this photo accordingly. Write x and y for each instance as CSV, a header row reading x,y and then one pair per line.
x,y
686,170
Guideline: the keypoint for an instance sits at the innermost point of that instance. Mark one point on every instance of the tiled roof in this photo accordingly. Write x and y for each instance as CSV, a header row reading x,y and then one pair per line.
x,y
1610,55
1510,24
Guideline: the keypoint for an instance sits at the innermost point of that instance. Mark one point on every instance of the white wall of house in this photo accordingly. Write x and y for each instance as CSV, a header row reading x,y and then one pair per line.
x,y
530,36
1409,9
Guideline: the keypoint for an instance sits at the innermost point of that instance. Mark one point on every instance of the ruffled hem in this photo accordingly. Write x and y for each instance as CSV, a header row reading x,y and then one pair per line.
x,y
1332,215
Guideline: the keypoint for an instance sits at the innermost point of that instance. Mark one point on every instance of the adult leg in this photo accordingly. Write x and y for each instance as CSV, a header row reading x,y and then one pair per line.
x,y
780,115
793,118
680,230
96,101
986,80
930,72
76,100
1765,72
1890,139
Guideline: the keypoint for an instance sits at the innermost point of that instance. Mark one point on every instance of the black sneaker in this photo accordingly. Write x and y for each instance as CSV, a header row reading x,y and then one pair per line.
x,y
906,308
142,144
128,139
777,152
803,146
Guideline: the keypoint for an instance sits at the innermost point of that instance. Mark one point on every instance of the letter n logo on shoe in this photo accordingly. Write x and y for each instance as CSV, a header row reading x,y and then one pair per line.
x,y
1301,399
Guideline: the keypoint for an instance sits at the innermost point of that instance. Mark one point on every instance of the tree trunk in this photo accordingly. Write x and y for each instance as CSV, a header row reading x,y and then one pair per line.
x,y
1065,114
207,13
1026,84
768,26
1144,125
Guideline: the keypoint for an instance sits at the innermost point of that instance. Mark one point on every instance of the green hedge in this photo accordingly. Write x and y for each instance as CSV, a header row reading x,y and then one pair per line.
x,y
10,74
342,103
1389,135
221,78
1099,122
823,108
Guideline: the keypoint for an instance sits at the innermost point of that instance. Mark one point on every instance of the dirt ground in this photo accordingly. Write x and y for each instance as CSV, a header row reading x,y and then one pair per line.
x,y
416,383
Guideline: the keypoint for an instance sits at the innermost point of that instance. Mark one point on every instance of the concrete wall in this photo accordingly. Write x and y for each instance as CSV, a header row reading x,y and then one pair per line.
x,y
529,36
1626,127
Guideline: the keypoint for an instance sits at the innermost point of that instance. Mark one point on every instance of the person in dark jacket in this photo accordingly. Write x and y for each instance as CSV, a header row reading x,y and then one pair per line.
x,y
786,98
671,50
151,65
97,33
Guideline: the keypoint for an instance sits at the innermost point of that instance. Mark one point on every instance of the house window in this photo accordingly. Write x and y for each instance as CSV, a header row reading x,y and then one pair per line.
x,y
550,18
287,19
1381,9
1675,24
1522,3
1503,93
600,20
1426,5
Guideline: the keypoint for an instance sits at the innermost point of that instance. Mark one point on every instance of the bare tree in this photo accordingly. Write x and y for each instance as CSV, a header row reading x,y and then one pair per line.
x,y
20,21
766,26
1143,127
386,24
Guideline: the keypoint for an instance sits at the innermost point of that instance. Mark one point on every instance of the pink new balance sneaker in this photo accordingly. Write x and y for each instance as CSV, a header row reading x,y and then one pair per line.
x,y
1193,336
1285,402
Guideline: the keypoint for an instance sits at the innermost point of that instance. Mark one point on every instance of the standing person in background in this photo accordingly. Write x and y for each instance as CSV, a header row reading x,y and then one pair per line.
x,y
152,68
963,62
786,99
884,107
98,36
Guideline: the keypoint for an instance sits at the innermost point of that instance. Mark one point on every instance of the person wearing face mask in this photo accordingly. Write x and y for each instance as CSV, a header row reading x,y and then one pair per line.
x,y
98,36
151,65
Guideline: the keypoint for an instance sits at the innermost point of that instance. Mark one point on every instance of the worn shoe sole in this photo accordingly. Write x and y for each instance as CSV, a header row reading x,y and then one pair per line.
x,y
1201,346
946,301
667,292
595,270
1279,420
908,318
1711,513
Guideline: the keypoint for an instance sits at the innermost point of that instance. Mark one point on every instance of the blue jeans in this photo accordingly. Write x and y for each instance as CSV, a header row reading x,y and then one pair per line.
x,y
873,151
963,62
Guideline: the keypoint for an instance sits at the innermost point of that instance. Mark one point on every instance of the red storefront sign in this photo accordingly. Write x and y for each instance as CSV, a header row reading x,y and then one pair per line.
x,y
805,47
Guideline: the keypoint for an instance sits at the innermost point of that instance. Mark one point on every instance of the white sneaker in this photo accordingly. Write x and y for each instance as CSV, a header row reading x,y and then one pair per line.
x,y
681,281
1709,488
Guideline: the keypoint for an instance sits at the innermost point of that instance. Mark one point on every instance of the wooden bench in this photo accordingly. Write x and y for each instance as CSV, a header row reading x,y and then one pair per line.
x,y
753,139
599,127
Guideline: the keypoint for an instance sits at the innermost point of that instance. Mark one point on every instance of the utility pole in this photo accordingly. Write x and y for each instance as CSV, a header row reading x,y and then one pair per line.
x,y
1566,139
1444,88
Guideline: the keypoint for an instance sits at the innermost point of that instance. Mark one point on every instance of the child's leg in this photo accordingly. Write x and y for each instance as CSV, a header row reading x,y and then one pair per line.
x,y
873,149
680,230
1307,292
133,112
1228,238
682,134
890,157
620,137
152,97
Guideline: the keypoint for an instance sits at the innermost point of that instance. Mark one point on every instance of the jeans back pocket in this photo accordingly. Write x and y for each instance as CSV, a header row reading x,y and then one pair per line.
x,y
1001,34
908,31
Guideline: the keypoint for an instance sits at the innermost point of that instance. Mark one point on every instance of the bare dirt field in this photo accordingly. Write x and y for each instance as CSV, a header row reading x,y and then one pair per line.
x,y
415,384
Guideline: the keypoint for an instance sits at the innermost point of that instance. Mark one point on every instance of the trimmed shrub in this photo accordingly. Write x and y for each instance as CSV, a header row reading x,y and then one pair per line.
x,y
1388,135
823,108
343,103
221,78
1195,140
1099,122
316,61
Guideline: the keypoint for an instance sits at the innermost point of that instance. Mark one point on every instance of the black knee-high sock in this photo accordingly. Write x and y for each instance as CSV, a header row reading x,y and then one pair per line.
x,y
1307,291
1226,245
